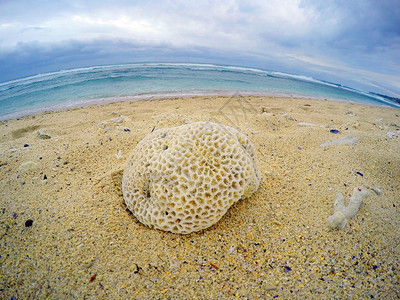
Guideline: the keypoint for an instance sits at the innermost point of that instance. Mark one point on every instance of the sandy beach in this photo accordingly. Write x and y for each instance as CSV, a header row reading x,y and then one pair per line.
x,y
65,231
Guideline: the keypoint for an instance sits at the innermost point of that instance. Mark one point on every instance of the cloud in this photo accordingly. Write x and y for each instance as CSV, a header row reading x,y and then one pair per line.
x,y
336,39
34,57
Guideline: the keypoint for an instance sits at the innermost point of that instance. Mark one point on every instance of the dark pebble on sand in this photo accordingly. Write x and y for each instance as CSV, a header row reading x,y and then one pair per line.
x,y
44,177
334,131
127,130
287,269
26,145
28,223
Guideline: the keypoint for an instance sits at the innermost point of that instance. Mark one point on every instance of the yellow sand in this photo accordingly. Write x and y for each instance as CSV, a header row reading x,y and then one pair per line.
x,y
83,243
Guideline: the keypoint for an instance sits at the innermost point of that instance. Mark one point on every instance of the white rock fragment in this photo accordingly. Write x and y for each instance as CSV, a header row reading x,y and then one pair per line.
x,y
120,119
377,190
287,116
26,166
390,135
102,123
306,124
43,135
347,140
119,154
270,287
341,213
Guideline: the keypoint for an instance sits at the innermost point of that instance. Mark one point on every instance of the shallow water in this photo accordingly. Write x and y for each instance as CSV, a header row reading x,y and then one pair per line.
x,y
85,86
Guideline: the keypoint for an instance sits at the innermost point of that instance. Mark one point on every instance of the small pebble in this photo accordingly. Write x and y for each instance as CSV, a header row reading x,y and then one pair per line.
x,y
334,131
28,223
92,278
287,269
26,145
127,130
15,215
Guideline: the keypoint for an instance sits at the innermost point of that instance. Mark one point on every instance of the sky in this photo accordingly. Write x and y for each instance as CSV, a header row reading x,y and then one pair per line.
x,y
355,43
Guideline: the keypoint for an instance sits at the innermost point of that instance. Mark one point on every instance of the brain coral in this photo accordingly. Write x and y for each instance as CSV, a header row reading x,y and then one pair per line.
x,y
184,179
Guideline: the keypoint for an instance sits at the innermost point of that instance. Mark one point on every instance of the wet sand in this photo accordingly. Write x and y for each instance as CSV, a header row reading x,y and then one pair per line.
x,y
65,231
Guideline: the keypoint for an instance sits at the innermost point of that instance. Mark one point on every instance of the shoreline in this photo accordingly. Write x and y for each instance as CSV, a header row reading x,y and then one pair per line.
x,y
65,231
109,100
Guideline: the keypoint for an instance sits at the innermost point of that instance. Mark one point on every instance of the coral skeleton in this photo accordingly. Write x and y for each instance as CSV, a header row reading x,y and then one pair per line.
x,y
184,179
341,213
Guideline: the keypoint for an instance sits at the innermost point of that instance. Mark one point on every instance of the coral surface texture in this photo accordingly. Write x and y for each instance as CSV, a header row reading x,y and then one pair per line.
x,y
184,179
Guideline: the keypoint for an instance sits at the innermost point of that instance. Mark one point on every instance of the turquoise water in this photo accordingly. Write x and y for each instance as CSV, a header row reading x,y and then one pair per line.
x,y
85,86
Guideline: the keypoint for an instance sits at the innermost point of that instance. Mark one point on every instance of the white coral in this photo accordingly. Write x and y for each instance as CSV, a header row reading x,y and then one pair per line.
x,y
341,213
184,179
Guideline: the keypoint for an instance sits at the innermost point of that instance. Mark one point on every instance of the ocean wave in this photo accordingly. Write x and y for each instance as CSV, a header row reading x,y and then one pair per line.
x,y
153,78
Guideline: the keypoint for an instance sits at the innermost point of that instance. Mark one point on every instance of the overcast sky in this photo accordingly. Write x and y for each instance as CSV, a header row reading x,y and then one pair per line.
x,y
353,42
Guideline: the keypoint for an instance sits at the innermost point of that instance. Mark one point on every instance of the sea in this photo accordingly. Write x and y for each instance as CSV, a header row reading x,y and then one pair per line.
x,y
102,84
